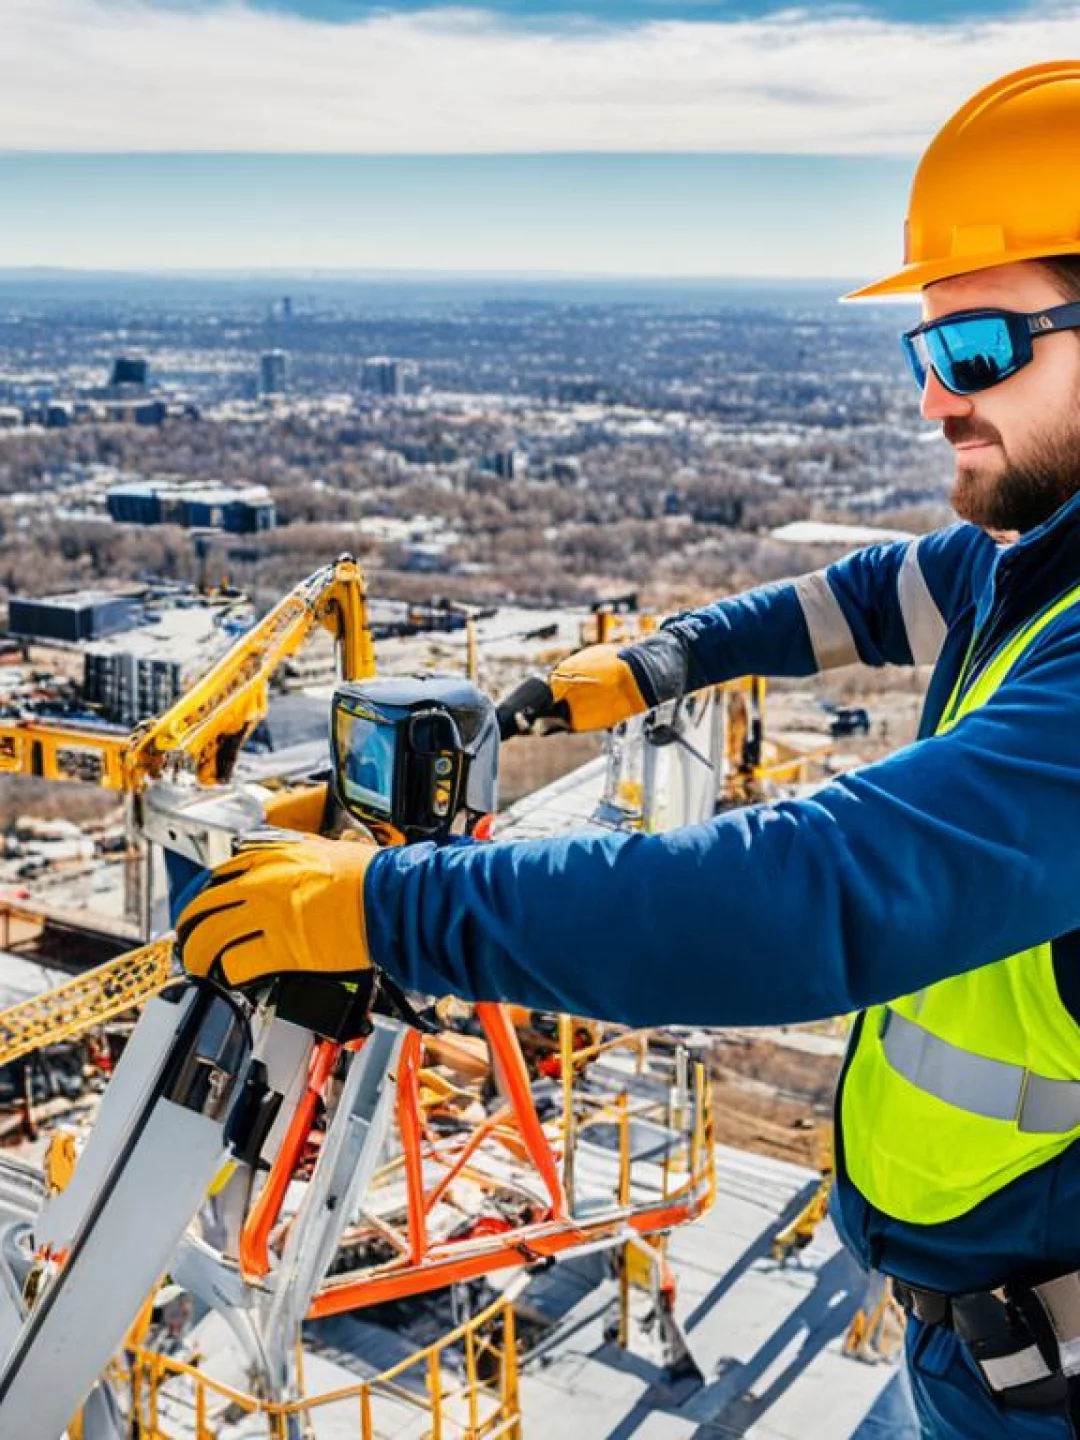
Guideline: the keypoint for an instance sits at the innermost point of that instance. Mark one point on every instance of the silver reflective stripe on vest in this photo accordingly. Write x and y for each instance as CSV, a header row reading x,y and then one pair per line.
x,y
830,634
990,1088
923,621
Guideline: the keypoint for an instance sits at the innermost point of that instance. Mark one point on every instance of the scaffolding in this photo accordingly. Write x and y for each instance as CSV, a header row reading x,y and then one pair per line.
x,y
628,1152
465,1386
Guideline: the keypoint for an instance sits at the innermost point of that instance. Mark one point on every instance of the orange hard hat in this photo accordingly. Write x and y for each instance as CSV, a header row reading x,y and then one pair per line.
x,y
1000,182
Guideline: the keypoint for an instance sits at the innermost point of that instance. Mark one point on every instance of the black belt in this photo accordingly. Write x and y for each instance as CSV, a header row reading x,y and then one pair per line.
x,y
1025,1340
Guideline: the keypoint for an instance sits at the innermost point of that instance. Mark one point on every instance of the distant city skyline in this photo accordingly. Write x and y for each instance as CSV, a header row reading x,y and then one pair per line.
x,y
644,137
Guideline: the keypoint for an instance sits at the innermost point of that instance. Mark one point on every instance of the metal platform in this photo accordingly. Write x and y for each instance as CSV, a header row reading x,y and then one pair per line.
x,y
768,1340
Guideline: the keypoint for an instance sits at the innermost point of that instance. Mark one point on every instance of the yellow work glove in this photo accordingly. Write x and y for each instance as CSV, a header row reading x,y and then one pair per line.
x,y
301,807
278,906
597,687
593,689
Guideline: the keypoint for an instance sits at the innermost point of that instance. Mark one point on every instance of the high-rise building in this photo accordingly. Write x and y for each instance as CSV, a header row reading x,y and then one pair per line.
x,y
380,376
128,373
273,372
507,464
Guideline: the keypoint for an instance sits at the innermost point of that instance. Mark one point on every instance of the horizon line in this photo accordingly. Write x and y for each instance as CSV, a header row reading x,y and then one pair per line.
x,y
307,272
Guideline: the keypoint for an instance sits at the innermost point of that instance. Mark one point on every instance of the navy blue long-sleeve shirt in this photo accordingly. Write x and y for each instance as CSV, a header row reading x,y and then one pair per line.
x,y
948,855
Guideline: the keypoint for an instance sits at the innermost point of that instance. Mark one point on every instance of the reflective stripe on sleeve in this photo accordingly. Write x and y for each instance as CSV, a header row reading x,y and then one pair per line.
x,y
923,621
830,634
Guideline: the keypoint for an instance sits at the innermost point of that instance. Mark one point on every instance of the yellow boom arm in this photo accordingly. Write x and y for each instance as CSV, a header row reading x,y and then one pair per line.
x,y
210,723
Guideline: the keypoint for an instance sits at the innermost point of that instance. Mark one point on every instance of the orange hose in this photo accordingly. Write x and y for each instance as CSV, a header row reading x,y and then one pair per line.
x,y
255,1236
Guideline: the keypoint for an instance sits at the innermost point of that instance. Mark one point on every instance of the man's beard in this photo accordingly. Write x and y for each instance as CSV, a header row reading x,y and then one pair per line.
x,y
1026,492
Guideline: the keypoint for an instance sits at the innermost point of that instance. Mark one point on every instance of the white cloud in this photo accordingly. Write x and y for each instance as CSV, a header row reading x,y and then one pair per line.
x,y
126,75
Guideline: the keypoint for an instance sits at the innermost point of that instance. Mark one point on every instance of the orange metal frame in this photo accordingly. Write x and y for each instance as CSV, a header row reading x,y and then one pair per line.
x,y
255,1236
429,1265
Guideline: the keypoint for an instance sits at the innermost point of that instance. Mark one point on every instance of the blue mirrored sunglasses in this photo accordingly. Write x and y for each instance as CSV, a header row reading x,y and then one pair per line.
x,y
974,349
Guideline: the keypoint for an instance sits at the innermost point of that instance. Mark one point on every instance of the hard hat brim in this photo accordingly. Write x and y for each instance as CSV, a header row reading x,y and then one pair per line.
x,y
914,278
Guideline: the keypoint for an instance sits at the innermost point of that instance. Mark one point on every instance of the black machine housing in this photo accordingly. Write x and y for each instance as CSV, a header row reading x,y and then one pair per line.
x,y
413,753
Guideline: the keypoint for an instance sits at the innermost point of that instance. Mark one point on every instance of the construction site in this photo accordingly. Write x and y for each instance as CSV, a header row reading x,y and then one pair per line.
x,y
419,1217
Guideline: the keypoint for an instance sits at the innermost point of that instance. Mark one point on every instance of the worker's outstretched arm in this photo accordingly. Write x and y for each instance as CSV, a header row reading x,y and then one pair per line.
x,y
883,605
952,853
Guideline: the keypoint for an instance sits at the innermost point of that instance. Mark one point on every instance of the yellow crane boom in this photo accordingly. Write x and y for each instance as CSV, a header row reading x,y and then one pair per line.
x,y
210,723
206,727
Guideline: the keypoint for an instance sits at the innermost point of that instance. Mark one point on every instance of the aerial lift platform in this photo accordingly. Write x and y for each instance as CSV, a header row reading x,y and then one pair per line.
x,y
244,1142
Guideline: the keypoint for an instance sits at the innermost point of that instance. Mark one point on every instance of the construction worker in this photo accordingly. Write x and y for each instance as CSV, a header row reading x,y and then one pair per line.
x,y
936,891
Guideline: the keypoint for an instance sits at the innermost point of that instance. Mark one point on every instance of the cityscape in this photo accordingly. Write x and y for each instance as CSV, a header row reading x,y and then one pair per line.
x,y
174,454
539,440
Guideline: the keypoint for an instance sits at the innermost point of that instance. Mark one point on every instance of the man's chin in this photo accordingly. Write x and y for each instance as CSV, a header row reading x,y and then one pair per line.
x,y
1002,500
973,495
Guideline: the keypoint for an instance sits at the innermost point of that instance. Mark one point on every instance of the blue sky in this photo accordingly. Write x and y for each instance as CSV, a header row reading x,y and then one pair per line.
x,y
610,136
678,215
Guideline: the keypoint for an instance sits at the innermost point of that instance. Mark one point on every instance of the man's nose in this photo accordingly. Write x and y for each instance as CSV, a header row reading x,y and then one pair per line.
x,y
939,403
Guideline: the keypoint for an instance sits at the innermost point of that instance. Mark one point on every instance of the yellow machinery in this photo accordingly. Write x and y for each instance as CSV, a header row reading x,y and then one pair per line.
x,y
877,1329
877,1326
207,727
203,732
800,1232
85,1002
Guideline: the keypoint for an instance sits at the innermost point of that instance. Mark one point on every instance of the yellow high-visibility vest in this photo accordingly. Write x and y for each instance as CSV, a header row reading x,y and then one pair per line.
x,y
957,1089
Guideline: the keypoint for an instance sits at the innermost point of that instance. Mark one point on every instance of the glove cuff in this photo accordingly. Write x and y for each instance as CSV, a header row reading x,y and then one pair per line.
x,y
660,666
